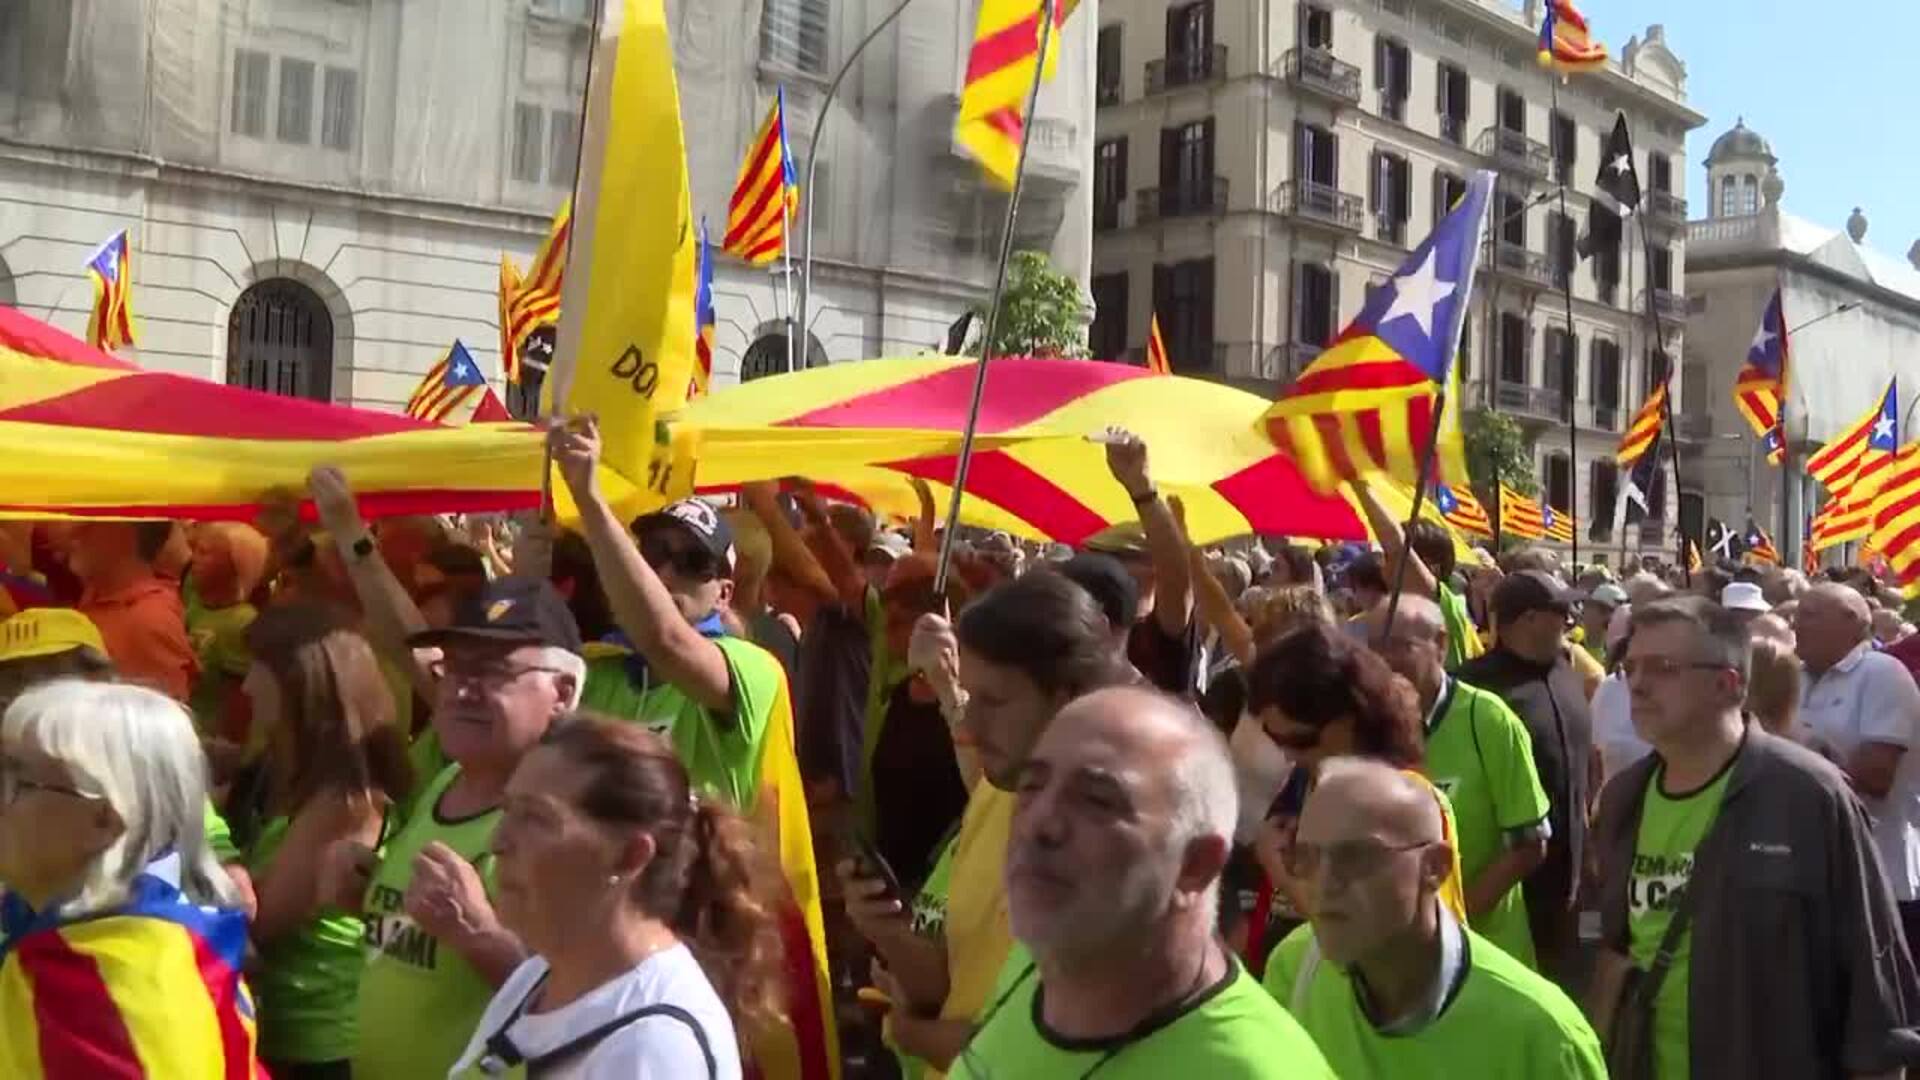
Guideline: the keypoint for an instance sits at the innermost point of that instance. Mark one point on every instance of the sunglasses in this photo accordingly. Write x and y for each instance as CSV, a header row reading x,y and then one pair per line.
x,y
662,552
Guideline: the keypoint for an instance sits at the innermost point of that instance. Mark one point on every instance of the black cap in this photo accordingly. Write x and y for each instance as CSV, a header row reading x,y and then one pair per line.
x,y
1528,591
699,519
1108,582
513,610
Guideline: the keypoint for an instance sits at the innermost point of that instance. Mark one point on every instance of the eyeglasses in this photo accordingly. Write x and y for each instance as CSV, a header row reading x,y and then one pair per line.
x,y
661,553
14,783
1347,862
1661,668
486,676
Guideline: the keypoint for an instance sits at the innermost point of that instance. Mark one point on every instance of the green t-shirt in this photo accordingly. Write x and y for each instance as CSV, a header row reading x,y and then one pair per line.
x,y
1478,752
885,671
1463,640
1504,1022
722,755
219,637
419,1000
219,836
1234,1031
928,917
307,979
1671,827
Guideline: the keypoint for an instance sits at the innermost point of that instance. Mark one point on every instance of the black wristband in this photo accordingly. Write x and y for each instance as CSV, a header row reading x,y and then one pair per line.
x,y
363,547
1146,496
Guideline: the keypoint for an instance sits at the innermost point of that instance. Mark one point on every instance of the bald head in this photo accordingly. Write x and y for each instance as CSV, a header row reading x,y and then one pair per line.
x,y
1830,622
1371,855
1842,599
1416,613
1380,799
1415,646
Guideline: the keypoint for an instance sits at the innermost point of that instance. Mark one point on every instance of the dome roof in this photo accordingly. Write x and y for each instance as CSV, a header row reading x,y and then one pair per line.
x,y
1741,142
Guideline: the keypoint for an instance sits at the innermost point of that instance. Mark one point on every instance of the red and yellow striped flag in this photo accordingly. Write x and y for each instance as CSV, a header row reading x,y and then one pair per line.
x,y
767,193
1644,430
1000,70
1896,517
111,270
703,318
536,300
1521,516
1692,553
1157,349
1559,524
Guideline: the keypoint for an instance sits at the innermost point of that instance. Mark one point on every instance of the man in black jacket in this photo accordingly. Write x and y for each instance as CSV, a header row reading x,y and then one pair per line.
x,y
1527,666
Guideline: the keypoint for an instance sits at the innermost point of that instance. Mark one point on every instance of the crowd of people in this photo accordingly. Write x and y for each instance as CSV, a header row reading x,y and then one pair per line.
x,y
418,798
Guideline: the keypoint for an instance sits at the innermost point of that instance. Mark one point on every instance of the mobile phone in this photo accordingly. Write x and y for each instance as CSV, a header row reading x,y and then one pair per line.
x,y
873,864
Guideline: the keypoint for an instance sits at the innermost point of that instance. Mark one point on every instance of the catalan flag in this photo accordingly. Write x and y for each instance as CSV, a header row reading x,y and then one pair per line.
x,y
767,193
535,302
151,988
1644,430
1896,518
1157,349
1566,44
1371,402
1559,524
111,269
1000,72
1521,516
1461,510
453,391
1759,545
703,318
1839,464
1691,552
1762,382
1809,555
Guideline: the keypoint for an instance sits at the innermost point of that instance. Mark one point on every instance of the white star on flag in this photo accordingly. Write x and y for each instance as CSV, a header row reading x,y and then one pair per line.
x,y
1417,295
1761,339
1883,429
1622,164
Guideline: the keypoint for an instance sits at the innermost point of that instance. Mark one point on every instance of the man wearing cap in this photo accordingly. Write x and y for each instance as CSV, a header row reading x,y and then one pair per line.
x,y
1596,613
1528,667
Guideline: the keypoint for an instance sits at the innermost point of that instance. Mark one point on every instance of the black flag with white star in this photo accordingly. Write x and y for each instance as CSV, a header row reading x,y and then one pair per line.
x,y
1619,177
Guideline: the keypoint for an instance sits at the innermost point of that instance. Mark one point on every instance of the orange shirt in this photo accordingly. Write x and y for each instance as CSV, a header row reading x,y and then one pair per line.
x,y
144,627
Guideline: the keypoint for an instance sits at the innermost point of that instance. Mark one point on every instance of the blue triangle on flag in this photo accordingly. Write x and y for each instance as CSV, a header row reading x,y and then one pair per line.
x,y
461,370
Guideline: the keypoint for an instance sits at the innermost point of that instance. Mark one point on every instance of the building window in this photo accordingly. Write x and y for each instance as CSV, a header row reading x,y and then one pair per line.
x,y
1316,307
1107,338
528,144
1750,195
1557,479
1603,490
1659,172
1392,197
1109,182
563,135
340,109
1186,168
1392,76
1694,380
295,124
1512,111
1562,367
1560,244
1319,155
572,10
1108,61
1183,299
1513,349
1316,26
1660,269
793,34
1605,379
250,71
1189,42
1447,190
280,340
1565,136
1452,104
1512,212
1653,368
1464,357
1603,247
1656,494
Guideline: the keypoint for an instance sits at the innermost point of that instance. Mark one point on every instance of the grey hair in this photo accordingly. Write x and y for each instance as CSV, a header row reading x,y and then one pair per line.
x,y
1417,611
1644,588
137,749
1725,638
1206,794
1406,789
570,663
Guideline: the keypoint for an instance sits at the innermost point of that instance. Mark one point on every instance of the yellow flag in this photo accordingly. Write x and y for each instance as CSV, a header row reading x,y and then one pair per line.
x,y
624,348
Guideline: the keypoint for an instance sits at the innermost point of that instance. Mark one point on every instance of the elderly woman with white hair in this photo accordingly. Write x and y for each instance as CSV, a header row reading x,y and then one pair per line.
x,y
120,947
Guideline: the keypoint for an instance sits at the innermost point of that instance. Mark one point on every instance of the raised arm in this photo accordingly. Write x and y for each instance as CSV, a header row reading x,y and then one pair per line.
x,y
790,552
842,566
391,615
1393,543
1173,582
924,538
1216,608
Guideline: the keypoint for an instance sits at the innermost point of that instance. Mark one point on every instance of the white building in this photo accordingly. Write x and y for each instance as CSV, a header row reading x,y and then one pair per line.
x,y
1842,356
318,191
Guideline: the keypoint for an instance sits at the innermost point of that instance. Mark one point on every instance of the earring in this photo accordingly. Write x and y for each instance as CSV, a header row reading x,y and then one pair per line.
x,y
614,880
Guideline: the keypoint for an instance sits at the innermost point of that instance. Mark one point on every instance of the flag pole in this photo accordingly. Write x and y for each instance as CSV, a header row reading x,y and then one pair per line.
x,y
1666,375
1419,495
786,258
965,460
1571,368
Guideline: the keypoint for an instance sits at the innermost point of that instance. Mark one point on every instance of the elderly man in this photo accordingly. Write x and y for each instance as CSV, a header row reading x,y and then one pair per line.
x,y
1738,875
1861,708
1124,820
1385,979
1479,753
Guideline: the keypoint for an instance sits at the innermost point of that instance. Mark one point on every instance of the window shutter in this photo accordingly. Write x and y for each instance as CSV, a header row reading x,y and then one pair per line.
x,y
1173,32
1402,189
1379,62
1169,159
1206,168
1333,305
1120,172
1440,88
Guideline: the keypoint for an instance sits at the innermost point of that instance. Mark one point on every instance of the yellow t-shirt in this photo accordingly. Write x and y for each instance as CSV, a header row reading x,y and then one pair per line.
x,y
978,934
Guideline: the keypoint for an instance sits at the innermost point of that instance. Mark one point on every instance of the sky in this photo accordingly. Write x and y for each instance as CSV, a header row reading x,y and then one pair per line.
x,y
1830,85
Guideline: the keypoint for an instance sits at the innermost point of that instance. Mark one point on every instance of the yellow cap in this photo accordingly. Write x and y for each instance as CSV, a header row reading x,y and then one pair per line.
x,y
45,632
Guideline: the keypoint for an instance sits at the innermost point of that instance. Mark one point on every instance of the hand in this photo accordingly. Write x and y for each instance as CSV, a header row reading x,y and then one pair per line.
x,y
1127,461
575,446
333,500
346,869
933,650
921,490
762,497
279,514
874,912
1272,845
1178,506
446,898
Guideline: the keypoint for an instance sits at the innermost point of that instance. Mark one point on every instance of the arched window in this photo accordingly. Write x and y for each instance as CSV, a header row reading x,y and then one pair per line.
x,y
768,354
280,339
1730,196
1750,194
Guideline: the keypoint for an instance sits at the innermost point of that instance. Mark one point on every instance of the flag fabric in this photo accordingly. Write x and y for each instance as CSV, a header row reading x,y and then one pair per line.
x,y
1566,44
1809,555
111,270
150,988
536,300
1691,554
1760,546
1896,518
766,194
1000,72
1371,402
626,333
1874,436
703,318
1762,382
1521,516
1559,524
510,285
450,391
1157,349
1643,432
1633,504
1462,510
1722,541
1619,176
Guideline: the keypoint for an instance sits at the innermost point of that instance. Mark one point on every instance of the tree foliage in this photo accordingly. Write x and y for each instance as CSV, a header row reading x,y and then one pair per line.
x,y
1041,313
1498,452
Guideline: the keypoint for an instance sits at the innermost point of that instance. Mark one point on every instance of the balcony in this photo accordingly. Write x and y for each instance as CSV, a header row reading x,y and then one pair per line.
x,y
1453,129
1107,90
1537,402
1294,358
1513,152
1666,208
1605,417
1516,262
1692,425
1243,361
1187,69
1205,199
1666,303
1318,71
1320,203
1389,230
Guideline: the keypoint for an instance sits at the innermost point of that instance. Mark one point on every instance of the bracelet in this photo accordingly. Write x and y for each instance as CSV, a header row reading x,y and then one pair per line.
x,y
1145,497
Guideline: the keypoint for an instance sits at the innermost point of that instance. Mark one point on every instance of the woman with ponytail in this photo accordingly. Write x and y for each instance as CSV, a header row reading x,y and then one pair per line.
x,y
646,905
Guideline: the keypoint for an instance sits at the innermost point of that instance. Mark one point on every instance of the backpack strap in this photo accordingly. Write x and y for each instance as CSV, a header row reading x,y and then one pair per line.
x,y
501,1054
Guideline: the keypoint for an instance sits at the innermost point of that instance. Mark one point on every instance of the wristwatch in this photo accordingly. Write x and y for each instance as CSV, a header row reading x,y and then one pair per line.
x,y
363,547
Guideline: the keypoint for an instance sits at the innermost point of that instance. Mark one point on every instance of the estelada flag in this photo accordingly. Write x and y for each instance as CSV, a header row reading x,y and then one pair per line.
x,y
766,194
151,988
1644,430
1000,69
1861,448
1566,44
111,271
1762,382
1559,524
1760,547
1521,516
1462,510
536,300
1157,349
703,319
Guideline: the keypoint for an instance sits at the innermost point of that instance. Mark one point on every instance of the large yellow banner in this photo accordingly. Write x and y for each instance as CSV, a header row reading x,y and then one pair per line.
x,y
624,348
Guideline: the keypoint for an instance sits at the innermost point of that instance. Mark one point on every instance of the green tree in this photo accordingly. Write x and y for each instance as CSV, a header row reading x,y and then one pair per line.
x,y
1497,452
1041,313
